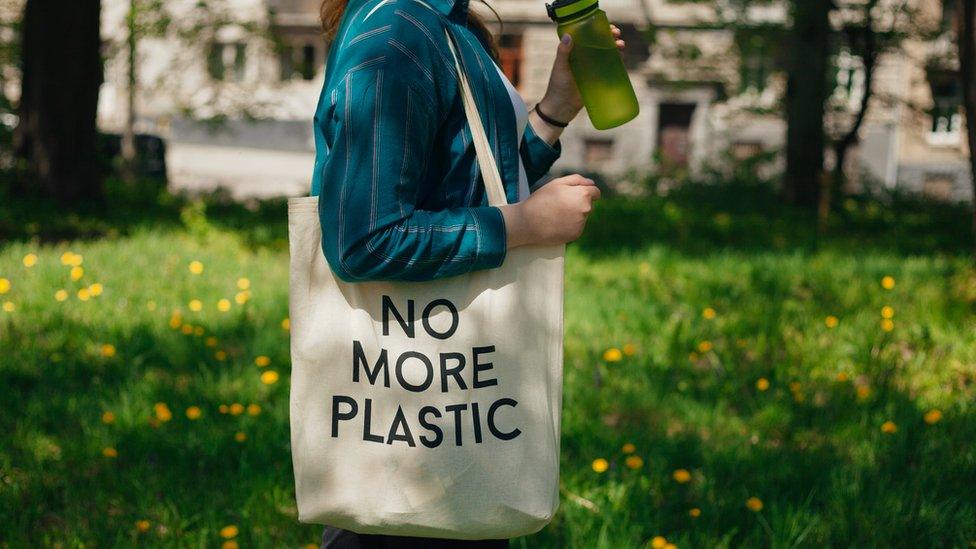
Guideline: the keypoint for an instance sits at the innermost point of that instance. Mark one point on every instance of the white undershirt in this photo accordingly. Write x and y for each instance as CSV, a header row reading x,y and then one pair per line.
x,y
521,119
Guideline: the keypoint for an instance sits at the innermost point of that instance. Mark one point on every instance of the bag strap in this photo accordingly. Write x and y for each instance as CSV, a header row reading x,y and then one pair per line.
x,y
486,160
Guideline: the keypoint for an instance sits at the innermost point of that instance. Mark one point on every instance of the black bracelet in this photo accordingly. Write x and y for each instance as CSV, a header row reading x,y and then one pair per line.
x,y
548,120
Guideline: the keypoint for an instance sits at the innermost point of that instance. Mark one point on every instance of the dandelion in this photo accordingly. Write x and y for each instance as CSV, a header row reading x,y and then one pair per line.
x,y
30,260
887,325
262,361
628,448
211,341
612,354
187,329
708,313
692,356
887,312
831,321
162,411
754,504
629,349
243,283
61,295
286,324
600,465
84,294
694,512
176,320
705,346
4,285
253,409
236,409
223,409
108,418
762,384
842,377
221,355
240,436
863,392
242,297
108,350
77,273
933,416
193,412
143,525
795,386
229,531
196,267
110,452
889,428
96,289
223,305
634,462
66,258
670,546
198,330
196,305
887,283
269,377
681,476
9,307
229,544
659,542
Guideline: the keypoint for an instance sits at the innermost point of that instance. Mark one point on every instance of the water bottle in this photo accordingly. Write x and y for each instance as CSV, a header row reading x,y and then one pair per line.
x,y
596,63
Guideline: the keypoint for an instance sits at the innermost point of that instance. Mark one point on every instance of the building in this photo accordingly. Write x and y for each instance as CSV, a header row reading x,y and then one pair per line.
x,y
707,75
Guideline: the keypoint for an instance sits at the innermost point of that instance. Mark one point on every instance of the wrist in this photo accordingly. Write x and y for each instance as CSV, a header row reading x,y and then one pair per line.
x,y
558,110
516,225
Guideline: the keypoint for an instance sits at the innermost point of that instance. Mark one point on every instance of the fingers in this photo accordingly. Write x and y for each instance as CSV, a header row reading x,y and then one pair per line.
x,y
565,46
577,179
616,34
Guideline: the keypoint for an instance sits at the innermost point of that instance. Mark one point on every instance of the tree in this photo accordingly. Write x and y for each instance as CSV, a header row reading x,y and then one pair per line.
x,y
61,75
966,42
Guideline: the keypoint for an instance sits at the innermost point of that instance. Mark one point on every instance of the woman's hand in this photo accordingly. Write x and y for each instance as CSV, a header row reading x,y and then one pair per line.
x,y
554,214
562,100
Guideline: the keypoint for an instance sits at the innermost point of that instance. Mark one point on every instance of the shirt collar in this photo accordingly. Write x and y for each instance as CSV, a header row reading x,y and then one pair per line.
x,y
456,10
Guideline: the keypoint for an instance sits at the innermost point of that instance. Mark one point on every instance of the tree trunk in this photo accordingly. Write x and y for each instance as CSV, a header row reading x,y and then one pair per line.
x,y
129,134
806,92
966,35
61,76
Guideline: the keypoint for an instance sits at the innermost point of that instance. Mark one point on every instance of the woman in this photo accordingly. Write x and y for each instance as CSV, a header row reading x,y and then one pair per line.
x,y
400,196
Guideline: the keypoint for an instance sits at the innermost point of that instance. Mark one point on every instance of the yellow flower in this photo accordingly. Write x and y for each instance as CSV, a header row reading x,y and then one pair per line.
x,y
612,354
933,416
762,384
600,465
741,343
628,448
84,294
842,377
705,346
243,283
30,260
198,330
211,341
196,267
694,512
692,356
61,295
887,283
269,377
196,305
831,321
236,409
108,417
681,476
108,350
253,409
795,386
629,349
658,542
863,392
708,313
242,297
76,260
240,436
223,305
229,544
77,273
887,312
187,329
221,355
175,321
4,285
143,525
670,546
229,531
193,412
223,409
96,289
634,462
262,361
8,306
110,452
754,504
67,258
162,411
286,324
889,427
887,325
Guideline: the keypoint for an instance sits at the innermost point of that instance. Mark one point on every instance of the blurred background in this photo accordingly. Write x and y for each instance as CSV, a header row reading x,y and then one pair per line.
x,y
769,320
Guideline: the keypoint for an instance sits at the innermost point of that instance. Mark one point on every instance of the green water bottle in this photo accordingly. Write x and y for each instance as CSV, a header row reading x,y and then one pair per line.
x,y
597,67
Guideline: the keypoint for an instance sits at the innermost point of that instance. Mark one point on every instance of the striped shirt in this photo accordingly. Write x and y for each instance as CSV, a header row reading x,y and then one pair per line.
x,y
400,192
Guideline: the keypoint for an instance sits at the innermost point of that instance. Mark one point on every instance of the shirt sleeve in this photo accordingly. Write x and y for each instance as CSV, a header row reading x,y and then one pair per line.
x,y
537,155
385,119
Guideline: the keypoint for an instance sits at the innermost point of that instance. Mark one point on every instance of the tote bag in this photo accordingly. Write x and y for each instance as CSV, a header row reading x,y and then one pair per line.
x,y
427,408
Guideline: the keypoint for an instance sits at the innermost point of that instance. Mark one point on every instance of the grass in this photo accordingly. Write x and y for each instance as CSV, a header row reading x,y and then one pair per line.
x,y
712,330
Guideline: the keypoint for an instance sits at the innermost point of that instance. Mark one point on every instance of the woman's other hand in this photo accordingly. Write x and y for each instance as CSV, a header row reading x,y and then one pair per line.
x,y
562,100
554,214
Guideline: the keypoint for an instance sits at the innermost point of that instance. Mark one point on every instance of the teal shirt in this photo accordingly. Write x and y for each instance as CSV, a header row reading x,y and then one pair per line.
x,y
400,193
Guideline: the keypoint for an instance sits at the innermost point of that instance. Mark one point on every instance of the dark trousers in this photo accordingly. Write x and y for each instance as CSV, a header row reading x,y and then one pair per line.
x,y
334,538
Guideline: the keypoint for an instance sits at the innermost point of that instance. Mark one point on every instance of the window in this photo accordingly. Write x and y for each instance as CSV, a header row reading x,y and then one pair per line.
x,y
510,57
227,61
296,62
849,78
597,151
945,119
756,64
286,62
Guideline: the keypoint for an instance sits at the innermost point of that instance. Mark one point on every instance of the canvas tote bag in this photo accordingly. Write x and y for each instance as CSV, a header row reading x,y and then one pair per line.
x,y
427,408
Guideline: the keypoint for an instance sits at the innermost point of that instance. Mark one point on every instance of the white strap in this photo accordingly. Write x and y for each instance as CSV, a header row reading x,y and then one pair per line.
x,y
486,160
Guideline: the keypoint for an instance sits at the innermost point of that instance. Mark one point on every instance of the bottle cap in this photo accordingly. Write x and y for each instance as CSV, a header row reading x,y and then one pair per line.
x,y
561,10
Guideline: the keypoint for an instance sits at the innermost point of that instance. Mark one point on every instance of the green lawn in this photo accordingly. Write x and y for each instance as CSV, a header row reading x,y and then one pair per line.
x,y
717,350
